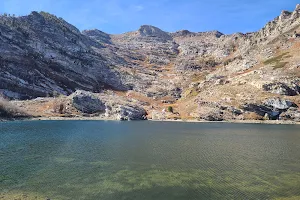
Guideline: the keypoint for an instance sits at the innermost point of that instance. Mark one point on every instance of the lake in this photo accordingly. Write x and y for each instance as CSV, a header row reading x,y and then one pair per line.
x,y
146,160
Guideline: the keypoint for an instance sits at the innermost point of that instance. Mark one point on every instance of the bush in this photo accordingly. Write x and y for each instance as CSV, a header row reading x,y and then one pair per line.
x,y
170,109
59,108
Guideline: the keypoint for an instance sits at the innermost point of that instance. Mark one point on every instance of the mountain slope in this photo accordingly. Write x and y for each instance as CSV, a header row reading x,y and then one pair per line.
x,y
206,75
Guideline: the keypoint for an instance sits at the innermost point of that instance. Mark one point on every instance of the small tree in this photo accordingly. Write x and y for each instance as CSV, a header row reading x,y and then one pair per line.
x,y
59,107
170,109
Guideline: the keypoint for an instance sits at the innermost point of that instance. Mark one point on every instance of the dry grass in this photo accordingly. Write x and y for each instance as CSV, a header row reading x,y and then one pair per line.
x,y
253,116
8,110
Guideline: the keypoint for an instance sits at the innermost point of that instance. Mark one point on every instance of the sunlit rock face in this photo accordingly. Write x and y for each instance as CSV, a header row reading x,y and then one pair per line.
x,y
42,55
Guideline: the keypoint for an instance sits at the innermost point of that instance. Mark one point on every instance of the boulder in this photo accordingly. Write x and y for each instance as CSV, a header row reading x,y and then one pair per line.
x,y
279,104
213,116
86,102
130,112
291,114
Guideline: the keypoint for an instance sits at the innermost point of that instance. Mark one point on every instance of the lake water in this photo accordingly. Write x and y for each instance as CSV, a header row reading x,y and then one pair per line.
x,y
148,160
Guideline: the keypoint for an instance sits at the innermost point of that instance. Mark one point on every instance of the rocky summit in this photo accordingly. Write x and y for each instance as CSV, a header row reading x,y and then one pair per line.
x,y
49,68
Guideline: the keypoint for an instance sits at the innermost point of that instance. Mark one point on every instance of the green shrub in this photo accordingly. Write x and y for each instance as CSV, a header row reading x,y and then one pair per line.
x,y
170,109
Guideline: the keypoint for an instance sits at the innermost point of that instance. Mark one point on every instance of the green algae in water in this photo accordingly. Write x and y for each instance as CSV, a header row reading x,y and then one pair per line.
x,y
146,160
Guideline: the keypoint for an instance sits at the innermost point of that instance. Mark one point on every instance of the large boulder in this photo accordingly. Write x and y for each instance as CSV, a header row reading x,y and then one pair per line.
x,y
130,112
292,89
279,104
86,102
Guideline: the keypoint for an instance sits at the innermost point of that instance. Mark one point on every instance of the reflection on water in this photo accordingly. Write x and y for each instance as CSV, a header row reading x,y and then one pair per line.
x,y
149,160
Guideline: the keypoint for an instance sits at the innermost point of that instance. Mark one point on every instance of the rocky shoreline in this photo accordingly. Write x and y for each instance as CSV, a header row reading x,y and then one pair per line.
x,y
275,122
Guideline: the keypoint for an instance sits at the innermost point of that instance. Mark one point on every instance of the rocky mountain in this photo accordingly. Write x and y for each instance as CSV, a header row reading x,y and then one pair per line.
x,y
205,75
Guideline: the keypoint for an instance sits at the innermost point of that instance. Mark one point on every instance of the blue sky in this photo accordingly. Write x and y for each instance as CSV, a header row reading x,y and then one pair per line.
x,y
118,16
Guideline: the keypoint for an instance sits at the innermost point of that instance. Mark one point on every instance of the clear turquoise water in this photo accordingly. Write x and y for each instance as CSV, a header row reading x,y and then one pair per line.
x,y
150,160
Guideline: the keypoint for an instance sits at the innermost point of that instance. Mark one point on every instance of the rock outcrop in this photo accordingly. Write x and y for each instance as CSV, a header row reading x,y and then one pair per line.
x,y
292,114
279,104
272,108
283,88
125,112
88,103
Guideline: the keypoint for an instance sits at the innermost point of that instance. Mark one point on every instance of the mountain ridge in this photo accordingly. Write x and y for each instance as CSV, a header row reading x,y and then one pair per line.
x,y
42,54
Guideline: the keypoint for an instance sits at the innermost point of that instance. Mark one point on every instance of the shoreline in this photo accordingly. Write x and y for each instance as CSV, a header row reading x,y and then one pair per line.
x,y
276,122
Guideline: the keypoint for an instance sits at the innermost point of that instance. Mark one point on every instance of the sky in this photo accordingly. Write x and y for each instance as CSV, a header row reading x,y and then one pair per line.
x,y
119,16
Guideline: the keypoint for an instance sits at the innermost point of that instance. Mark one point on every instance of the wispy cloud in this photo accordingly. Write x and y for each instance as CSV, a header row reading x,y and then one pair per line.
x,y
138,8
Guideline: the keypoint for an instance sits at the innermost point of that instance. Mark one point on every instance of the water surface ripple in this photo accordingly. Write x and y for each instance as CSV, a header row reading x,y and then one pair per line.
x,y
148,160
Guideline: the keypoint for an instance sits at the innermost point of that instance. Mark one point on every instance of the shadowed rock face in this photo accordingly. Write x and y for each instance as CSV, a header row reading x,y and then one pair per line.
x,y
41,53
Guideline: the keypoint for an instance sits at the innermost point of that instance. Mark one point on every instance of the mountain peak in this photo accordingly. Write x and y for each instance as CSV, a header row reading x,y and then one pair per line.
x,y
97,35
152,31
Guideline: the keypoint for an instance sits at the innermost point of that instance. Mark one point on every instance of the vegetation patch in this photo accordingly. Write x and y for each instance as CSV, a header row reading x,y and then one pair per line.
x,y
276,59
280,65
170,109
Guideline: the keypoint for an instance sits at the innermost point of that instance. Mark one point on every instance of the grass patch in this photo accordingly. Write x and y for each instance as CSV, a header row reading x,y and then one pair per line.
x,y
280,65
276,59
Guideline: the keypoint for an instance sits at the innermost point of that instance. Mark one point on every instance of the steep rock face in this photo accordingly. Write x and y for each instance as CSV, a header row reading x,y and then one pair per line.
x,y
281,24
41,53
